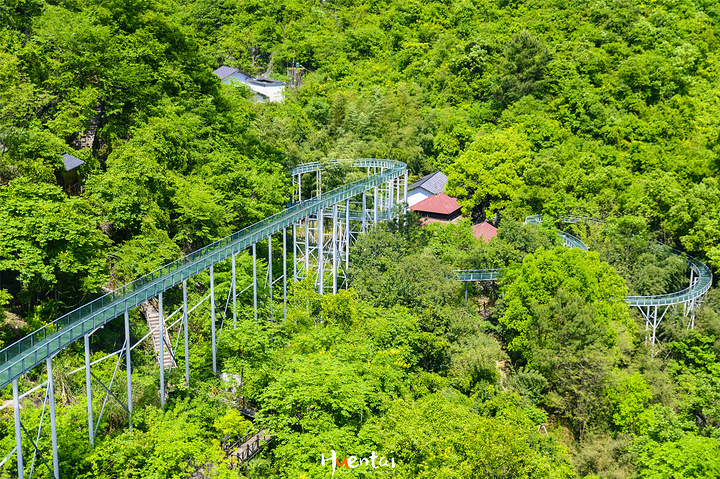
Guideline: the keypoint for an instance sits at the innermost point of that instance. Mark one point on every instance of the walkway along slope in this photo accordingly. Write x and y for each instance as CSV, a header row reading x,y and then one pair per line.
x,y
304,215
653,307
23,355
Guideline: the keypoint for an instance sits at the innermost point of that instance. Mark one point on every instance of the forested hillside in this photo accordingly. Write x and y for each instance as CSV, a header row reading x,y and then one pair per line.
x,y
605,109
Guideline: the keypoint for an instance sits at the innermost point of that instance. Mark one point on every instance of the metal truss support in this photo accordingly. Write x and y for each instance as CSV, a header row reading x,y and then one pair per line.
x,y
255,292
108,390
364,212
306,256
692,275
334,248
690,307
18,430
185,331
406,188
294,248
654,314
652,321
347,241
234,292
128,367
212,319
390,195
321,252
314,260
398,199
48,403
53,423
270,274
88,386
326,254
297,179
161,322
284,262
375,206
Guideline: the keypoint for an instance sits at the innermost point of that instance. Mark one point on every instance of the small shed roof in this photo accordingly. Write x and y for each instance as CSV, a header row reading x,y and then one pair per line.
x,y
484,230
433,183
71,162
225,71
441,204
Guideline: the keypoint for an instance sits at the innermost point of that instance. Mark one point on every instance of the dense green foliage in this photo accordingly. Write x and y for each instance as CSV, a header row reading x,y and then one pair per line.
x,y
605,109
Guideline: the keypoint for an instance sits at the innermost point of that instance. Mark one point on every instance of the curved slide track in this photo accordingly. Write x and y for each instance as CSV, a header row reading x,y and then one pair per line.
x,y
320,229
653,307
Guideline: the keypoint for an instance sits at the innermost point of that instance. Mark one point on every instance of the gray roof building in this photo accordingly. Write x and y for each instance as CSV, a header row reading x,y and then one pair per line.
x,y
225,71
71,162
433,183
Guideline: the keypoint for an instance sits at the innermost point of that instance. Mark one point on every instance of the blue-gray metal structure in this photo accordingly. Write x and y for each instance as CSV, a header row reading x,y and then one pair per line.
x,y
325,257
323,226
654,307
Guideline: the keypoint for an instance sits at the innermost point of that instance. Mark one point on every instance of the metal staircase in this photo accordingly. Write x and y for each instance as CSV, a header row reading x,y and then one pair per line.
x,y
152,315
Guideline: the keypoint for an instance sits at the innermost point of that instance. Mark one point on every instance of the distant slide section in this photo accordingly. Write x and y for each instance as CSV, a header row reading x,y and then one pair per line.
x,y
690,298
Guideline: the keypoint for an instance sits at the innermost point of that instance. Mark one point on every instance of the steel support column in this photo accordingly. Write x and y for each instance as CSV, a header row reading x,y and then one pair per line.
x,y
270,274
692,276
390,192
53,423
234,292
18,430
284,262
128,367
406,187
212,318
255,301
307,246
88,389
335,248
375,206
294,248
321,252
347,241
363,228
185,330
161,359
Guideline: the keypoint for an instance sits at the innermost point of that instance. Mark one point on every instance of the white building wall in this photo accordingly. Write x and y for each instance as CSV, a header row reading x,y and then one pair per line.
x,y
274,92
417,195
271,92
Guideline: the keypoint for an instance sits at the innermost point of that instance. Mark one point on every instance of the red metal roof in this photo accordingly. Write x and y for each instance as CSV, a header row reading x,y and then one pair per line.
x,y
484,230
440,204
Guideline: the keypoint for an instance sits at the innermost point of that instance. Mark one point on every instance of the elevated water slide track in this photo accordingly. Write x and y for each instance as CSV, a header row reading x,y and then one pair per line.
x,y
652,307
23,355
384,179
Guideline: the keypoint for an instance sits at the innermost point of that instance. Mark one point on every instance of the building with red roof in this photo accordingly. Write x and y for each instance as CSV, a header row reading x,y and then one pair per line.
x,y
426,187
484,231
439,207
